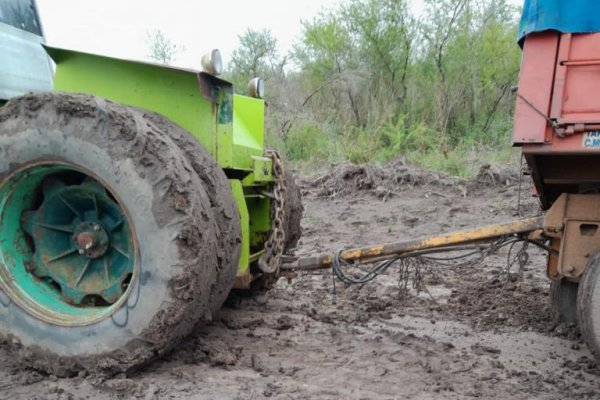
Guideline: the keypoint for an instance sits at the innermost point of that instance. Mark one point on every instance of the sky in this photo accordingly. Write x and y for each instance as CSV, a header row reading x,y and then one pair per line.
x,y
120,28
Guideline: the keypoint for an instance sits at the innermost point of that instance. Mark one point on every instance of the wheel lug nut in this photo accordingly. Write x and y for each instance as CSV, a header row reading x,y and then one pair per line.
x,y
96,227
81,251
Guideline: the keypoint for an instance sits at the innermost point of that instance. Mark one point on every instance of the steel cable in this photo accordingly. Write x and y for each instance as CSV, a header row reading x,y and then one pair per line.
x,y
367,274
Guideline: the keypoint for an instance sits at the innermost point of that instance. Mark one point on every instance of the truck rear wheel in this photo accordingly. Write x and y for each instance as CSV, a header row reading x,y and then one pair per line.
x,y
563,300
111,247
588,305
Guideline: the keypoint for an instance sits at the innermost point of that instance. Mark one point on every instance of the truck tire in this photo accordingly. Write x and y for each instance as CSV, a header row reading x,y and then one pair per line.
x,y
588,305
563,300
72,162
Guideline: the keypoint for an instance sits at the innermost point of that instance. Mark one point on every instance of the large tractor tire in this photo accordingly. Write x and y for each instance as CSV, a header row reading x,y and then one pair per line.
x,y
588,305
224,208
563,300
114,245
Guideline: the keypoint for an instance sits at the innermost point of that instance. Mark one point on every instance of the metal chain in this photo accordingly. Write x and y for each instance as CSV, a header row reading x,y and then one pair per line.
x,y
270,262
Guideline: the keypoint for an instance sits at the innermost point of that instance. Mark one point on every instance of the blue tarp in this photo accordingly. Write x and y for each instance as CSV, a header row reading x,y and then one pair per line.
x,y
568,16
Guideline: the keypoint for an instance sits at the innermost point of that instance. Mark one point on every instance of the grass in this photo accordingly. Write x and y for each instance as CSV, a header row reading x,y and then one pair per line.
x,y
465,161
311,146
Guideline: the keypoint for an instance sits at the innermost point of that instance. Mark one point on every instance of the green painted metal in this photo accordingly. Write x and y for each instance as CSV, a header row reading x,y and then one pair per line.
x,y
259,208
248,130
171,92
230,127
238,195
82,240
35,291
262,171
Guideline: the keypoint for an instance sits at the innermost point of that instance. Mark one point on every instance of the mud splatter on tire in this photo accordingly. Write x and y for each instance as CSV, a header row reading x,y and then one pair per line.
x,y
293,212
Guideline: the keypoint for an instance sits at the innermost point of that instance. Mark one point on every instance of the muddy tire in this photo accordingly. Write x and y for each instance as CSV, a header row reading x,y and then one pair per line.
x,y
223,206
174,214
293,212
588,305
563,301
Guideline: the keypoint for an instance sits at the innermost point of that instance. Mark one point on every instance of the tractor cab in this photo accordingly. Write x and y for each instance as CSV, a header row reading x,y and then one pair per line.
x,y
24,65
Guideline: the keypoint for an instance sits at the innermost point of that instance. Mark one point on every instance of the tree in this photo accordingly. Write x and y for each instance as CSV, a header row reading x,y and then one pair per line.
x,y
328,56
385,31
162,49
257,55
371,78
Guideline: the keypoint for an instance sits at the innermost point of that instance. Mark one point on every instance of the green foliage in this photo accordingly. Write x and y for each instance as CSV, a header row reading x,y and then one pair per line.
x,y
307,142
387,142
465,160
257,56
373,81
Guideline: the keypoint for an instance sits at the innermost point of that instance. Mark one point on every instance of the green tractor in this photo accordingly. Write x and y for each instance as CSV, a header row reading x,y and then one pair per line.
x,y
132,200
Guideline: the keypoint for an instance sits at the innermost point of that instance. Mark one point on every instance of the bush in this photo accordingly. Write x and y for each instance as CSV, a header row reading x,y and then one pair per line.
x,y
319,144
307,142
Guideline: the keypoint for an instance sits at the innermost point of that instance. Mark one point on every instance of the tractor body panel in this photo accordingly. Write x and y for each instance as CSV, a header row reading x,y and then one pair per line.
x,y
171,92
230,127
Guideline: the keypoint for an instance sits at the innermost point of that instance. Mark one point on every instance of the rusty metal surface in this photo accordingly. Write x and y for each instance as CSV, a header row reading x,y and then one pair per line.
x,y
571,206
243,281
574,222
210,85
581,239
378,252
552,260
570,171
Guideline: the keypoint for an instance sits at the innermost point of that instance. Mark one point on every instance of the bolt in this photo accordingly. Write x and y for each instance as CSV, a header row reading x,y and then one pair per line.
x,y
571,269
86,240
81,251
96,227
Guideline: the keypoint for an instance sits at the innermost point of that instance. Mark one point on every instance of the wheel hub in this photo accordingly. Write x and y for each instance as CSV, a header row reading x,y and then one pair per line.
x,y
91,239
81,242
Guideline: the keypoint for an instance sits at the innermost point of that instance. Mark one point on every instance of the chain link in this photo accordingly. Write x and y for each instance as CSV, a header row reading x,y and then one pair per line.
x,y
270,262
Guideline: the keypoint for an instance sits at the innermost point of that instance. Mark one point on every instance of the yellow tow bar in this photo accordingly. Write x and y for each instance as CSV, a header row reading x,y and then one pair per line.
x,y
448,241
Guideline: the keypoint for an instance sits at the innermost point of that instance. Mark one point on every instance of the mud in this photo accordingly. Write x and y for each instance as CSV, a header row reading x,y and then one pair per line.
x,y
223,207
293,211
477,331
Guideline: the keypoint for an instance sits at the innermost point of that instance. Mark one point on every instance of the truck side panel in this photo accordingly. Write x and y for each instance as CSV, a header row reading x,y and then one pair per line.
x,y
557,119
535,86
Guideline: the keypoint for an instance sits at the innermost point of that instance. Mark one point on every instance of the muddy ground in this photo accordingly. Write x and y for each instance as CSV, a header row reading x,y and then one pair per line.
x,y
471,331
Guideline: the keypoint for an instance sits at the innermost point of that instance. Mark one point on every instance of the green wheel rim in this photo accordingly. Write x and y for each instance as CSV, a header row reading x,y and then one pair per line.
x,y
68,253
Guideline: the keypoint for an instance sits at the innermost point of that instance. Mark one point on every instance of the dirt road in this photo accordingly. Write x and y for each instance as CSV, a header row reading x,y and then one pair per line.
x,y
471,332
